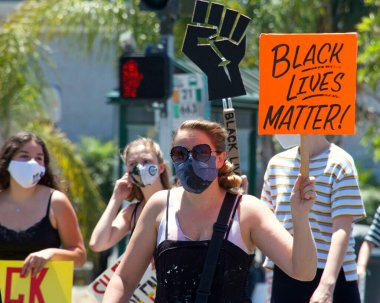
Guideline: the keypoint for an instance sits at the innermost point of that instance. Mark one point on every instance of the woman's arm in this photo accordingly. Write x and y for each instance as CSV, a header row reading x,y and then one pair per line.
x,y
113,225
363,257
296,255
64,218
139,252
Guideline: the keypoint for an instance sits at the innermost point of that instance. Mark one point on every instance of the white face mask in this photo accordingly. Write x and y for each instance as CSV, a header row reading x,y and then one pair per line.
x,y
27,174
144,175
288,141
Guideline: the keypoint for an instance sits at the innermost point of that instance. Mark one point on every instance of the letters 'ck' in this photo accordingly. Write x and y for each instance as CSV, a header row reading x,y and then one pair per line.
x,y
35,293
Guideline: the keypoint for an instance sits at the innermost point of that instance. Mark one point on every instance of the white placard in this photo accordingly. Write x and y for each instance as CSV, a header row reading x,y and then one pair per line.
x,y
189,99
145,292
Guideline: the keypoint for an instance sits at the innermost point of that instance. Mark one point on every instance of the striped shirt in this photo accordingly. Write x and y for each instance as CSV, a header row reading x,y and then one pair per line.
x,y
338,194
373,235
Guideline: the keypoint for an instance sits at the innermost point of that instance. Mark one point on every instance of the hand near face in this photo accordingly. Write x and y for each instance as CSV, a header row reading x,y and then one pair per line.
x,y
123,187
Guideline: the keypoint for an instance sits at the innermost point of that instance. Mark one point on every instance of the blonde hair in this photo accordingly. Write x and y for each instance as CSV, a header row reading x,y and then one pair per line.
x,y
154,148
217,134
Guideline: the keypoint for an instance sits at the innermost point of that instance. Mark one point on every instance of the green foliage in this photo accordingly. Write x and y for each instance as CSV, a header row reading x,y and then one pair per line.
x,y
369,46
372,139
370,190
287,16
76,180
24,53
371,198
78,26
84,26
100,159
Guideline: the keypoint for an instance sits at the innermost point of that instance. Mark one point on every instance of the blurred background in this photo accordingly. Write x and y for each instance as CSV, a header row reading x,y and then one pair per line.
x,y
59,63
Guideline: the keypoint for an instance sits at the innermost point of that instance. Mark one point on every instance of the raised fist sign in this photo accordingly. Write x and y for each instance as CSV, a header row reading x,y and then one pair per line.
x,y
216,43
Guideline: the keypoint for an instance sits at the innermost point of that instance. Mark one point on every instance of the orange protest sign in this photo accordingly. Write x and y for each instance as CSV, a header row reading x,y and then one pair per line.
x,y
307,83
53,283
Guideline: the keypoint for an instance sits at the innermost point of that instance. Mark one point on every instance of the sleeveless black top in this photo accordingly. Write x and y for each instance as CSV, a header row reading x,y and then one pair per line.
x,y
179,266
17,245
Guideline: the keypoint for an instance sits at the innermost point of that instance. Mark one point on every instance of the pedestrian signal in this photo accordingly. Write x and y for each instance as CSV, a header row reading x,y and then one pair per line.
x,y
144,77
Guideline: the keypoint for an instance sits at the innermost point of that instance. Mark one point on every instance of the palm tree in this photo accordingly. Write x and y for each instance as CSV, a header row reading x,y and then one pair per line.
x,y
24,52
80,25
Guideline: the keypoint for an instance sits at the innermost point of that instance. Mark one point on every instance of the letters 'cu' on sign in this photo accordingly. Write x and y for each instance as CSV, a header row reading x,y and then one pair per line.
x,y
307,83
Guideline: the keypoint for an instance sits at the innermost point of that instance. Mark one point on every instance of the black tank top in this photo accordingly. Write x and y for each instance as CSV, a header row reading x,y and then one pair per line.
x,y
17,245
179,265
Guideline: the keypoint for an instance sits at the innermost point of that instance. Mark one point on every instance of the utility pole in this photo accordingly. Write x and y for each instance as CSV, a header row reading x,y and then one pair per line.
x,y
167,20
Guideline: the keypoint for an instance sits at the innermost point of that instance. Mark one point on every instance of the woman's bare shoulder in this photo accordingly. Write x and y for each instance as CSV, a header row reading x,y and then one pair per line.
x,y
253,206
58,198
250,201
159,199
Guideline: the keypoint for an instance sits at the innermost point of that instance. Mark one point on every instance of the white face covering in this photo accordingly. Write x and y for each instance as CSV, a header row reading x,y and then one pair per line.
x,y
144,175
27,174
288,141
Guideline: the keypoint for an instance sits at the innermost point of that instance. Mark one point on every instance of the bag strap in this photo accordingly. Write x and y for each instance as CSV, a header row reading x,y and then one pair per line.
x,y
219,230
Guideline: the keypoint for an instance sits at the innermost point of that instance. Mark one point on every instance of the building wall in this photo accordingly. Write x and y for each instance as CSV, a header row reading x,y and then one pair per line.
x,y
83,84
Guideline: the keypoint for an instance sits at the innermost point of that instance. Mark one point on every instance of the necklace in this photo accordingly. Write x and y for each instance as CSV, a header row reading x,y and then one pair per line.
x,y
17,208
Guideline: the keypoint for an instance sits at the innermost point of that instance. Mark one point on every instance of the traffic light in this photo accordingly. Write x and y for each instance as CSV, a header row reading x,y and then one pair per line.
x,y
144,77
153,4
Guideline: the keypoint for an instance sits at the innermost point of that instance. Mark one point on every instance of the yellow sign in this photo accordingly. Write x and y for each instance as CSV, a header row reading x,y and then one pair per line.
x,y
53,284
307,83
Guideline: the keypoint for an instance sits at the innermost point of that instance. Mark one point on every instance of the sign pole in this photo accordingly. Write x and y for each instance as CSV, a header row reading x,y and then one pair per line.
x,y
304,147
232,142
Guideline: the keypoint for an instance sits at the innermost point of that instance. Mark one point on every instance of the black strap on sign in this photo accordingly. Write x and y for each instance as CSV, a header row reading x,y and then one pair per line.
x,y
219,230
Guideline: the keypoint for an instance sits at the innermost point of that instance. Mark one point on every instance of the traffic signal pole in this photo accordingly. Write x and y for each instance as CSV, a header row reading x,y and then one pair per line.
x,y
167,20
168,12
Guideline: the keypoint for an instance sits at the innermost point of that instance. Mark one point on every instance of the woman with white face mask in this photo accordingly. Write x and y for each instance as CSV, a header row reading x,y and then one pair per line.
x,y
37,221
146,173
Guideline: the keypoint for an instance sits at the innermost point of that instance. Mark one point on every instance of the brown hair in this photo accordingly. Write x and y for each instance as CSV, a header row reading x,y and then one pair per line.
x,y
155,149
10,148
227,179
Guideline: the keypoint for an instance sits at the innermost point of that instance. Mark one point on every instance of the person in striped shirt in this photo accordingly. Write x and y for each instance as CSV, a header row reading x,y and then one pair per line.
x,y
337,207
371,240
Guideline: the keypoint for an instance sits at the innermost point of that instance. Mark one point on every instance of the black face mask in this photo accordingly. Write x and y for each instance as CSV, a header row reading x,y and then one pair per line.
x,y
196,176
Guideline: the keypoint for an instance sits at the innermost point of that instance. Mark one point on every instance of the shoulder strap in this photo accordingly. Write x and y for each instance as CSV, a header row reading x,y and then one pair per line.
x,y
48,206
134,217
219,230
167,215
236,204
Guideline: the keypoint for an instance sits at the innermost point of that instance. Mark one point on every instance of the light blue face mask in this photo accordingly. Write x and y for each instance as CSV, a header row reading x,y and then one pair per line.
x,y
196,176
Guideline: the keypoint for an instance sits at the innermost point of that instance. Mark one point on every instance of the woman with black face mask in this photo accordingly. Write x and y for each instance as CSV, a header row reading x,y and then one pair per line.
x,y
176,227
146,173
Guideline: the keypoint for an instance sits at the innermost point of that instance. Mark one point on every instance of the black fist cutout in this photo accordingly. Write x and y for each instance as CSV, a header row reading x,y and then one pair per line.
x,y
217,46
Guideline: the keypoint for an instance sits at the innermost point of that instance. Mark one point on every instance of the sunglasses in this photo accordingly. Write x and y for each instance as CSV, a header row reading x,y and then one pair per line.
x,y
201,152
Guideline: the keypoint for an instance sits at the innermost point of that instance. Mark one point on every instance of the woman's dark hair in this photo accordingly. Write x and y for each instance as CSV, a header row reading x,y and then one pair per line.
x,y
11,146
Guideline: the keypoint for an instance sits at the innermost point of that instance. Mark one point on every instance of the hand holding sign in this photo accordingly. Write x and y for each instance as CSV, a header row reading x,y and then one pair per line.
x,y
217,47
315,80
314,76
